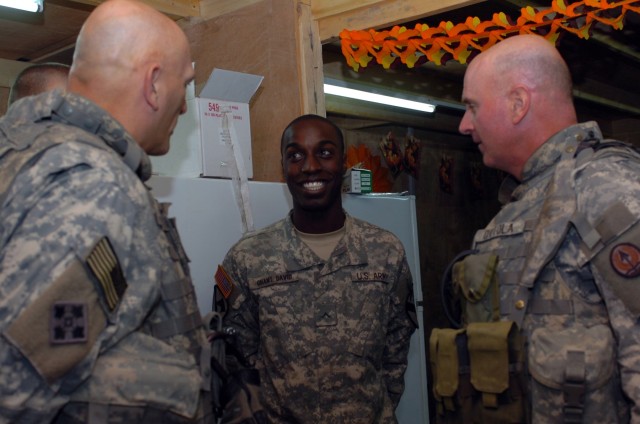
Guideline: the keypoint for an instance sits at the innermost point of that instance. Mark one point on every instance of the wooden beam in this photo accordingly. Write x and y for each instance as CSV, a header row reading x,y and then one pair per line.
x,y
174,8
214,8
335,15
310,63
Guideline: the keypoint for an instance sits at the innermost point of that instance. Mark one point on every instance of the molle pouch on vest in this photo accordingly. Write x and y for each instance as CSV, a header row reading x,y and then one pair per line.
x,y
449,362
574,375
475,278
477,374
496,363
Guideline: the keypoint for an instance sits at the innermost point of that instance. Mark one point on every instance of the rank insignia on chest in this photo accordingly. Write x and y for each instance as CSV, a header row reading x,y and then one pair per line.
x,y
104,265
223,282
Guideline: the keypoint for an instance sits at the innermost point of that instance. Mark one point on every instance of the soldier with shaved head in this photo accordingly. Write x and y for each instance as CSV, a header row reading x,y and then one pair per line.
x,y
98,316
550,294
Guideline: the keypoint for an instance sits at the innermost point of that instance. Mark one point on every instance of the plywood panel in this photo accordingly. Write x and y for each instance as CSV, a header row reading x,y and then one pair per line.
x,y
257,39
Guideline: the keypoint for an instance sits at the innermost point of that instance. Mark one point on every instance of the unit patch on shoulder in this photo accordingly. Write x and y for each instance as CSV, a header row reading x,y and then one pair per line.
x,y
68,323
625,260
104,265
223,282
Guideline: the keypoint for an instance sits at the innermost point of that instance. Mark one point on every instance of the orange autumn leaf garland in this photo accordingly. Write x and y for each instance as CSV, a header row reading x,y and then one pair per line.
x,y
360,157
460,40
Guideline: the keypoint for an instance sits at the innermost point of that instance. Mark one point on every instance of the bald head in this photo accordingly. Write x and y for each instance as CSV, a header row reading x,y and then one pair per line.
x,y
123,34
132,61
518,95
530,60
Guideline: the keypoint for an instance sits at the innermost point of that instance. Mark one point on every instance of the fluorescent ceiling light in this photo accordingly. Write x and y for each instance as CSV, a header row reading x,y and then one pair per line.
x,y
377,98
28,5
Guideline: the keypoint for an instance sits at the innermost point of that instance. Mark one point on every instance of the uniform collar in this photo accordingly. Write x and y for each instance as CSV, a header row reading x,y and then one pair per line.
x,y
343,255
77,111
543,161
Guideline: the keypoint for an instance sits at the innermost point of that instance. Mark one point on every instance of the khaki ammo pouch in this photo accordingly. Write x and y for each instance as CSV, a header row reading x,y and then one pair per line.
x,y
477,373
476,278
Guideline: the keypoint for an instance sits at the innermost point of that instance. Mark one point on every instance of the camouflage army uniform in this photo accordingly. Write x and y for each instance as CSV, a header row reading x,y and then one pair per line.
x,y
330,338
558,240
97,310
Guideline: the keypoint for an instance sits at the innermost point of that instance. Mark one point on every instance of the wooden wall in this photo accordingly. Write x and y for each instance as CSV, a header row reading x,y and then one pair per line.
x,y
267,38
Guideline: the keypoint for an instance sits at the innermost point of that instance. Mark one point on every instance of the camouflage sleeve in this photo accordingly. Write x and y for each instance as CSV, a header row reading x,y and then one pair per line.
x,y
43,250
68,212
399,331
609,192
242,313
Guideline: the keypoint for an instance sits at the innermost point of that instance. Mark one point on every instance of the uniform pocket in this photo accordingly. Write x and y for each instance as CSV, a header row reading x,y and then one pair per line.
x,y
366,316
573,374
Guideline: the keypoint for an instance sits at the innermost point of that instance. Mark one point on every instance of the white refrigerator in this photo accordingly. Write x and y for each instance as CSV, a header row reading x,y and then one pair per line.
x,y
209,221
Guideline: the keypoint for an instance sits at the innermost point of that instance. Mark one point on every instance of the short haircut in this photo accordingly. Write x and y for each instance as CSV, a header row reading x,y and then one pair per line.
x,y
35,79
286,135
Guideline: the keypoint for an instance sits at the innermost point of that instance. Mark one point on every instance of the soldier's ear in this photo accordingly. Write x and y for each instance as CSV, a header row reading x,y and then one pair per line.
x,y
519,103
150,86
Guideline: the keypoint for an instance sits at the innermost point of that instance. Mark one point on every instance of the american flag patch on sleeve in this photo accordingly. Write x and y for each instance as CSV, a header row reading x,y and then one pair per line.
x,y
223,282
105,266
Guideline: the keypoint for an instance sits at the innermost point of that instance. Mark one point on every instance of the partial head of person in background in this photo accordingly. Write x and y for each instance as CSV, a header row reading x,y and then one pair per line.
x,y
38,78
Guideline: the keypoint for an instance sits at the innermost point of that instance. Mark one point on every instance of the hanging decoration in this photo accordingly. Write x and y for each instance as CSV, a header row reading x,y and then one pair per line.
x,y
412,155
445,173
399,158
459,41
391,153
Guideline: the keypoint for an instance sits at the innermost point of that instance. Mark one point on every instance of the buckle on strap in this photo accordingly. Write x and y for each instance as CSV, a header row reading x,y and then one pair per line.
x,y
574,387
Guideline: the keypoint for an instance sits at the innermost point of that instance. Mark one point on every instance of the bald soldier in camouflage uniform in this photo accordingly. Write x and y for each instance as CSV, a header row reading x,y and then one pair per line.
x,y
321,300
567,240
98,317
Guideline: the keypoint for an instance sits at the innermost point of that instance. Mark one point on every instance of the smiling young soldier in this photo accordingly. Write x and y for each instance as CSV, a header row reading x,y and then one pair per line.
x,y
322,302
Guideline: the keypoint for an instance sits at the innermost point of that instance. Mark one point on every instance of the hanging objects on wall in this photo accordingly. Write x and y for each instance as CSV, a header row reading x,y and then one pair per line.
x,y
445,173
412,155
391,153
401,158
459,41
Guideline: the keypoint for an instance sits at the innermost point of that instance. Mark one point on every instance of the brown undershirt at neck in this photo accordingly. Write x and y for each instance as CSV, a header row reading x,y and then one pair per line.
x,y
322,244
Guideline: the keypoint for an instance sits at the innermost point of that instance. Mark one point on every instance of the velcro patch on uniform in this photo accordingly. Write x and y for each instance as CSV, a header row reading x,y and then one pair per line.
x,y
618,265
364,276
270,280
59,327
625,260
68,323
501,230
104,265
223,282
